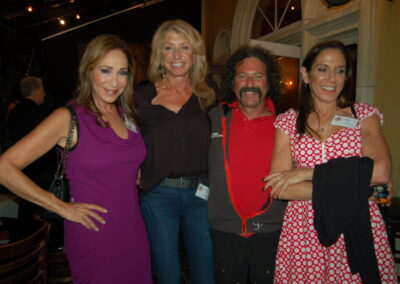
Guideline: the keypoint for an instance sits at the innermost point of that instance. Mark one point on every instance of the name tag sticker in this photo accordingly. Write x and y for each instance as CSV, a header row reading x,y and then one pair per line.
x,y
215,135
344,121
202,191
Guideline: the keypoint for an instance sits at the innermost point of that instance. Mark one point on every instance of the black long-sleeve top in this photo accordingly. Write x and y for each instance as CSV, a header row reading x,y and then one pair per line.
x,y
177,143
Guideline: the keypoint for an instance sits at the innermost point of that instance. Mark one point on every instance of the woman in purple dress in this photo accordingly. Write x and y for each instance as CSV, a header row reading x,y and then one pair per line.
x,y
105,237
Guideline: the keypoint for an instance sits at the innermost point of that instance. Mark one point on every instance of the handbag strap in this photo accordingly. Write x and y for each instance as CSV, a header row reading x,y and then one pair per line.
x,y
64,153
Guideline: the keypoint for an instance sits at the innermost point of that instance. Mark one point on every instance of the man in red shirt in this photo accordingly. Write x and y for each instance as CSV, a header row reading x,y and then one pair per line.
x,y
244,219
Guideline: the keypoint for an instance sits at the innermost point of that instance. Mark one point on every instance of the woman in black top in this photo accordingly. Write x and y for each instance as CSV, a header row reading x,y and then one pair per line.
x,y
173,119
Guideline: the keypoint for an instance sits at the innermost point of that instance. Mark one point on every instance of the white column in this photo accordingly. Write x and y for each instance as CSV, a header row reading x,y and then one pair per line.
x,y
365,88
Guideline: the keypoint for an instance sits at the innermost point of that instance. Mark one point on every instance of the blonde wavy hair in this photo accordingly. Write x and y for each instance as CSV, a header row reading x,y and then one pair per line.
x,y
96,50
197,72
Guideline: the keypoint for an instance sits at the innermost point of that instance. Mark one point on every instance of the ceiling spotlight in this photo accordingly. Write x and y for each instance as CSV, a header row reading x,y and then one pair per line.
x,y
292,8
29,9
77,16
61,21
71,1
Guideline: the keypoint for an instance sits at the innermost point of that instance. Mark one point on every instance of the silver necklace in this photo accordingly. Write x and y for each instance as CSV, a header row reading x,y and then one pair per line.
x,y
322,127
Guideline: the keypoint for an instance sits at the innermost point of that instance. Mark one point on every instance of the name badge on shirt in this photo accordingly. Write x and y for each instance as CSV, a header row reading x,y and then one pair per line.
x,y
216,135
344,121
202,191
130,125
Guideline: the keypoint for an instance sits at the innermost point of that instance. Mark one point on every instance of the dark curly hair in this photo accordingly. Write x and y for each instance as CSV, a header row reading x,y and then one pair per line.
x,y
272,71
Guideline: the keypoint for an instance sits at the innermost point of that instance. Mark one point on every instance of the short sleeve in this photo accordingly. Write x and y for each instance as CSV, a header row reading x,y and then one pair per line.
x,y
364,110
286,122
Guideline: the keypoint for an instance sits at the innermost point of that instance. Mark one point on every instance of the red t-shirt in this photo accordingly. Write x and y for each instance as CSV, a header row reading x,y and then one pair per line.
x,y
251,144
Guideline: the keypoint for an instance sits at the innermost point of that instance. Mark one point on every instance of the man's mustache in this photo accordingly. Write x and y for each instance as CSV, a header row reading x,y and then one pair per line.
x,y
250,89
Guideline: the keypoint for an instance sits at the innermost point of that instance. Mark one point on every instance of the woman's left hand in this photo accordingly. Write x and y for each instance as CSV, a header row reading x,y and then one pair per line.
x,y
83,213
388,201
279,181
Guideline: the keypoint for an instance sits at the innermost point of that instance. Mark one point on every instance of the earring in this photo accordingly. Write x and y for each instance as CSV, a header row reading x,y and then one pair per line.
x,y
162,71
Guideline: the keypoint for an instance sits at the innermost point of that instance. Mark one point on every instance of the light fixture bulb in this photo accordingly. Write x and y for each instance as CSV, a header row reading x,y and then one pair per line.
x,y
29,9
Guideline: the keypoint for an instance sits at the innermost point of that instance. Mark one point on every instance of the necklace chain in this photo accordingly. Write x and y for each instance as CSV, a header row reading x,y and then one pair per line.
x,y
323,126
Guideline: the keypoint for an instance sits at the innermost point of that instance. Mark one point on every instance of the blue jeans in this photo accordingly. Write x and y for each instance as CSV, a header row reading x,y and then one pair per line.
x,y
165,210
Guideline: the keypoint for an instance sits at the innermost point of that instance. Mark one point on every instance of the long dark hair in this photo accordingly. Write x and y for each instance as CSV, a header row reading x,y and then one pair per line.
x,y
306,102
272,71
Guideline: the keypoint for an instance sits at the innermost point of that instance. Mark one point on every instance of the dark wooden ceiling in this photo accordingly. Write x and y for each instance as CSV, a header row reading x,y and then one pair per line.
x,y
43,21
36,44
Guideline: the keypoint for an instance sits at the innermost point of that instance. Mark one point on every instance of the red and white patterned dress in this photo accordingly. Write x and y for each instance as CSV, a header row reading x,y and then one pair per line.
x,y
301,258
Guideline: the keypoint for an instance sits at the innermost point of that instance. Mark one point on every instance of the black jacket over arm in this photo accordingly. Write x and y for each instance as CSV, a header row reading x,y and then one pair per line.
x,y
341,188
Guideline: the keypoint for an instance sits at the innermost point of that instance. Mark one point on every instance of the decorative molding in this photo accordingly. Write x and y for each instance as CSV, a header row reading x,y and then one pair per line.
x,y
290,34
243,22
222,44
278,48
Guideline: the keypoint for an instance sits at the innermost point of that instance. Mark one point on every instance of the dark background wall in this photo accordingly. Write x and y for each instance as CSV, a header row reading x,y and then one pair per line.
x,y
56,60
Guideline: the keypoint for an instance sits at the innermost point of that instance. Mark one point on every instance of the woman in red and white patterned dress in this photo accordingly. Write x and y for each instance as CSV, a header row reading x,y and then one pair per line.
x,y
306,138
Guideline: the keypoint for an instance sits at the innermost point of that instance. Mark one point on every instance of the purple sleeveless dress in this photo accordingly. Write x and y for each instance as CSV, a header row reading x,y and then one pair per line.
x,y
102,170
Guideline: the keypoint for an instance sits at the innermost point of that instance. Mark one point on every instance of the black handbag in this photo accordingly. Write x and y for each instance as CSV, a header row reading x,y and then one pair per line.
x,y
60,186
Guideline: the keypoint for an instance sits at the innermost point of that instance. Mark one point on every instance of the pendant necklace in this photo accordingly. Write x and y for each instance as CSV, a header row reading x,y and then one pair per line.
x,y
322,127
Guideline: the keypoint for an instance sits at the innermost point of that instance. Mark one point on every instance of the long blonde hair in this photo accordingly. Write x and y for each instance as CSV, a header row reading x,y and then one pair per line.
x,y
197,72
96,50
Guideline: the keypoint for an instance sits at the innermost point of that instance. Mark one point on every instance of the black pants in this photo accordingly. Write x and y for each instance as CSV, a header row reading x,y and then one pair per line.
x,y
239,260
